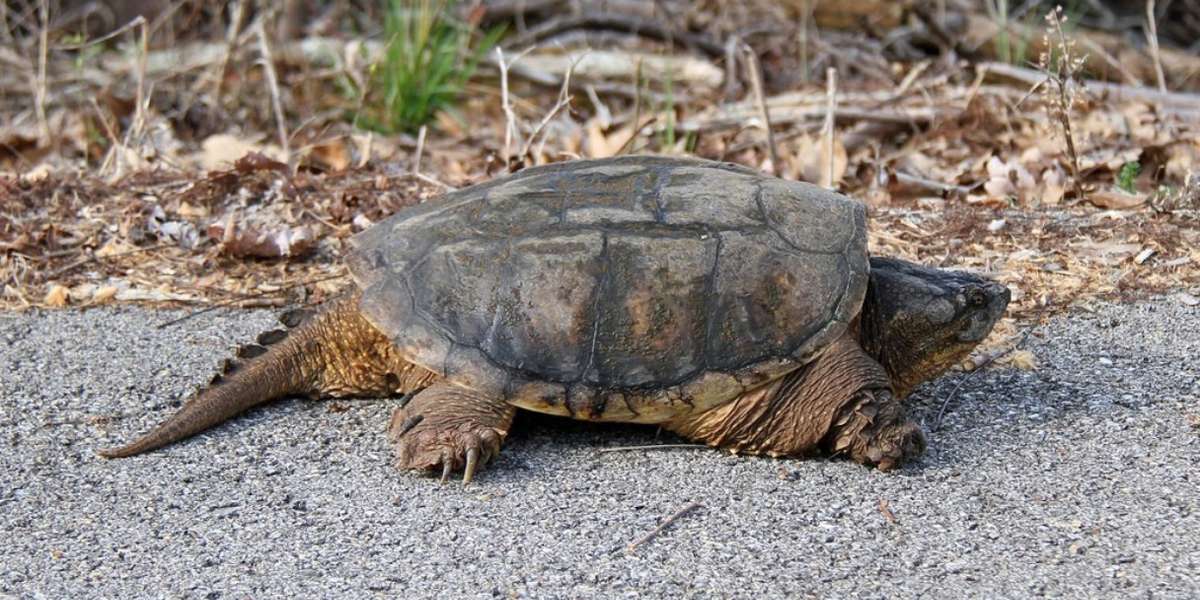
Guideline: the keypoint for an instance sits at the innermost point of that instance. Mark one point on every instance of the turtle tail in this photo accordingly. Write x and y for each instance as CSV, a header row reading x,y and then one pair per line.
x,y
333,352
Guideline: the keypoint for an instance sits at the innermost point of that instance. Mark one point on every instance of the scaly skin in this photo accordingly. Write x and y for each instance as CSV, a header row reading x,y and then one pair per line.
x,y
336,353
841,403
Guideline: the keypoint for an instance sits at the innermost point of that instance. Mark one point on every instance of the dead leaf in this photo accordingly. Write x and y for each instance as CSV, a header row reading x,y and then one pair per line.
x,y
57,296
1106,253
809,160
886,511
1115,200
333,155
1009,178
221,150
1054,187
1022,359
252,242
598,144
104,294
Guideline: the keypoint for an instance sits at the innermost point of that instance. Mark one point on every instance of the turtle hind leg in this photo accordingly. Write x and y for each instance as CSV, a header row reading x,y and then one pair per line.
x,y
449,428
874,429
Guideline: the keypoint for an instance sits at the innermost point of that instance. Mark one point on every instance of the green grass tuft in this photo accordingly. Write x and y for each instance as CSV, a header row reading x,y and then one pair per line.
x,y
1126,176
429,58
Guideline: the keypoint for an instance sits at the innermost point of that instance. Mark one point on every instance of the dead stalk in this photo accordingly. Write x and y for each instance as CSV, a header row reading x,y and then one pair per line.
x,y
113,139
805,18
416,164
134,135
731,61
755,73
39,87
637,127
637,109
564,100
830,110
1062,75
237,11
510,118
273,85
1152,39
5,30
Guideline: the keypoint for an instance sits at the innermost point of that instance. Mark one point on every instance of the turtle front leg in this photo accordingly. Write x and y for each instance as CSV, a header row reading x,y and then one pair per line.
x,y
450,427
841,403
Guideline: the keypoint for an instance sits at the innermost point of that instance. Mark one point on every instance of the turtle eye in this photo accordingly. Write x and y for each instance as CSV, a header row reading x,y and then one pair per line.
x,y
976,297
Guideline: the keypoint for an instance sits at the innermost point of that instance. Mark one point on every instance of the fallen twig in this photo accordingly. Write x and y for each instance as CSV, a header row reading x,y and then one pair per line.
x,y
908,116
931,185
618,22
662,526
937,423
93,258
650,447
245,297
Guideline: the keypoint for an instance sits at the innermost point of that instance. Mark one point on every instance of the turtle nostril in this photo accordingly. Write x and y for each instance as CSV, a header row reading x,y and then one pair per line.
x,y
976,297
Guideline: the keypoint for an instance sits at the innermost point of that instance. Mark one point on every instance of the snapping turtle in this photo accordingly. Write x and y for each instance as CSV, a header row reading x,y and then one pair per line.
x,y
733,308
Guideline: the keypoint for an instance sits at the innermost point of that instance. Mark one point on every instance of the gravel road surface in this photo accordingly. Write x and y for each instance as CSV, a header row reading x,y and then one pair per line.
x,y
1077,479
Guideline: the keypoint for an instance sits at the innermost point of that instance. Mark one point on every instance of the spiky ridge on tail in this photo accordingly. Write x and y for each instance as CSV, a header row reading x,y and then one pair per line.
x,y
268,370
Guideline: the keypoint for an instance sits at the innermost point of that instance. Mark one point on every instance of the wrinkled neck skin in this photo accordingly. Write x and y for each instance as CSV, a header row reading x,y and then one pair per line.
x,y
907,351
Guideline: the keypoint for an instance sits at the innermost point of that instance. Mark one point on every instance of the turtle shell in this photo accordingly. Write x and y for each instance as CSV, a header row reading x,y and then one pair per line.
x,y
625,289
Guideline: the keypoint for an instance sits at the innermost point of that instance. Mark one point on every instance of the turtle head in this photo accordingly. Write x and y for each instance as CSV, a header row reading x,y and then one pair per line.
x,y
919,321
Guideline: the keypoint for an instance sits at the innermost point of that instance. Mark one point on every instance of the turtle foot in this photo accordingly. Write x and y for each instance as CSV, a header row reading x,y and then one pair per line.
x,y
448,429
874,430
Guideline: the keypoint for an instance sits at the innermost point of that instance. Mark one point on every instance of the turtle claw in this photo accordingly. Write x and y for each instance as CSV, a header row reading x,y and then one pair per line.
x,y
472,464
421,445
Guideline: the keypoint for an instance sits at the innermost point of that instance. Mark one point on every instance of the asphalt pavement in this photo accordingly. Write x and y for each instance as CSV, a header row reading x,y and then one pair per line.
x,y
1079,478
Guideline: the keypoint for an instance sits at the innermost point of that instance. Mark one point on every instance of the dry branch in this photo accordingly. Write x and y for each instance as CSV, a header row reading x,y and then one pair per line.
x,y
618,22
688,71
1109,91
